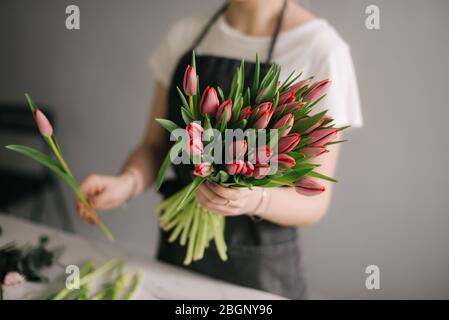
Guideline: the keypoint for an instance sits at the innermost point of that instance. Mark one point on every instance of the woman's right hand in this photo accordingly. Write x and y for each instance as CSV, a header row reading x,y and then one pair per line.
x,y
104,193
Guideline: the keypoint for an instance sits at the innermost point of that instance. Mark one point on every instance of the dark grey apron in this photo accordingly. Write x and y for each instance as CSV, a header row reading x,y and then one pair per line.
x,y
261,255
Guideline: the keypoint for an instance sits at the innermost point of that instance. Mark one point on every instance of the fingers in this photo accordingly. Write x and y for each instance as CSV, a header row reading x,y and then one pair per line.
x,y
91,185
223,209
86,214
228,193
211,196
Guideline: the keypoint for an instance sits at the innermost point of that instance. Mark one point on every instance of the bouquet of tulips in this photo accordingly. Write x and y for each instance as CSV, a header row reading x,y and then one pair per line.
x,y
268,133
57,165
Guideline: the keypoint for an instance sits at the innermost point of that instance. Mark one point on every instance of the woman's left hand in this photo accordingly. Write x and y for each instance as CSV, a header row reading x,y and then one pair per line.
x,y
228,201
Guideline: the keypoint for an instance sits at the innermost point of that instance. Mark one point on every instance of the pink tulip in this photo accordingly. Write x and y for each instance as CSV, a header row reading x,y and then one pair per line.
x,y
298,86
308,187
13,279
288,143
202,169
263,121
226,106
286,120
263,154
314,152
322,136
43,124
195,130
286,98
285,160
196,147
317,90
238,149
190,81
235,167
261,170
248,169
245,113
209,102
289,108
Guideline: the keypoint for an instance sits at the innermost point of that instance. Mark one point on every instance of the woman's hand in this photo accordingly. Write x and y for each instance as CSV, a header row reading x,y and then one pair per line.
x,y
104,193
228,201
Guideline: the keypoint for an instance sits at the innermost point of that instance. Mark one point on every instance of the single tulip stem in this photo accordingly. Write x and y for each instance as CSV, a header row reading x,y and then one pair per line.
x,y
58,155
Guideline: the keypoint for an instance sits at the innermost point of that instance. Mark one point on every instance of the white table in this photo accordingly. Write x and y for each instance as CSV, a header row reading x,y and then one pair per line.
x,y
160,281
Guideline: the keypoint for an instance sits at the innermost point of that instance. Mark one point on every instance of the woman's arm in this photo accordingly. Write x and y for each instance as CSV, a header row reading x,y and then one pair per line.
x,y
145,160
283,205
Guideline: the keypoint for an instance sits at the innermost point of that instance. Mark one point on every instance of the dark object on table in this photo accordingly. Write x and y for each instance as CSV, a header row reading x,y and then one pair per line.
x,y
28,260
17,185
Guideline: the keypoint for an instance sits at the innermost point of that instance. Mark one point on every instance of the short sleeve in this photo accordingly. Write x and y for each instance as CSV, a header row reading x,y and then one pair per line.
x,y
342,99
174,44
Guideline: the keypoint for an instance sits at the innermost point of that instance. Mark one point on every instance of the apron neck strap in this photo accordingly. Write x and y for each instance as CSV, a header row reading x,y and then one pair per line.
x,y
223,9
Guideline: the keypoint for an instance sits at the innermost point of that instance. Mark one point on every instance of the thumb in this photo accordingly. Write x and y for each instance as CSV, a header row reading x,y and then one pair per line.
x,y
102,201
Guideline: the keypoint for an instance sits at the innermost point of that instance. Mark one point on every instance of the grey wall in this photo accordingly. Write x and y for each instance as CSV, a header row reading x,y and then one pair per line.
x,y
390,206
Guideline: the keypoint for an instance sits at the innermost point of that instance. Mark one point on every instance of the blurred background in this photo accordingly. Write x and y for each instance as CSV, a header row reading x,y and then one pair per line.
x,y
390,206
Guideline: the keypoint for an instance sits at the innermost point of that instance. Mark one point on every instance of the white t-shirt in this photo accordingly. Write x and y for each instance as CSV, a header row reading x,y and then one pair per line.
x,y
314,48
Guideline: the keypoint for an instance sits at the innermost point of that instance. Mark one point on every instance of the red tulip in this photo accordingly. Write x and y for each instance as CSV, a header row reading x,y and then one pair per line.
x,y
245,113
235,167
288,143
290,108
314,152
248,169
261,170
190,81
315,126
263,107
308,187
285,160
196,147
209,102
195,130
203,169
286,120
238,149
322,136
43,124
317,90
226,106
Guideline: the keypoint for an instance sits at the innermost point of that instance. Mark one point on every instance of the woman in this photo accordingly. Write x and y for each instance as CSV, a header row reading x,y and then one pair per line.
x,y
260,226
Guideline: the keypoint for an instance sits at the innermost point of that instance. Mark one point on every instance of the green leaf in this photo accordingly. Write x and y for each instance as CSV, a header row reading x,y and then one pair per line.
x,y
321,176
31,103
186,115
184,102
221,94
255,87
167,124
310,122
335,142
163,170
49,163
189,192
297,173
224,120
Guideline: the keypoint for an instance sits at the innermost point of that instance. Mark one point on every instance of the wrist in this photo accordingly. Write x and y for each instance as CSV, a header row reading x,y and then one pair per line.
x,y
130,178
261,203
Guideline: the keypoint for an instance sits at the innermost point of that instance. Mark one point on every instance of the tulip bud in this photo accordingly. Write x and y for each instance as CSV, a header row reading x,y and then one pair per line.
x,y
314,152
245,113
263,121
226,106
262,155
196,147
287,97
298,86
13,279
235,167
209,102
317,90
238,149
43,124
285,160
195,130
261,170
190,81
203,169
248,169
315,126
286,120
288,143
322,136
308,187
